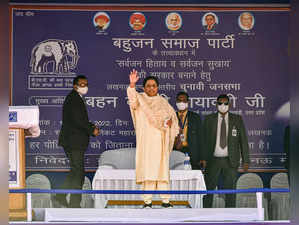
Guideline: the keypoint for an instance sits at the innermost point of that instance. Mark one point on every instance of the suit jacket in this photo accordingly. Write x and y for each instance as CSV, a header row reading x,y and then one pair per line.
x,y
76,128
194,138
213,28
237,142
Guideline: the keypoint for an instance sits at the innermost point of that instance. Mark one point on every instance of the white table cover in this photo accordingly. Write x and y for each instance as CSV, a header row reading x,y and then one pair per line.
x,y
25,117
117,179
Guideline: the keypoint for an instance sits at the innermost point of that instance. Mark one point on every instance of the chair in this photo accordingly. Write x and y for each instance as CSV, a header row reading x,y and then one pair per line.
x,y
279,202
218,200
118,159
176,160
41,182
124,158
248,200
87,200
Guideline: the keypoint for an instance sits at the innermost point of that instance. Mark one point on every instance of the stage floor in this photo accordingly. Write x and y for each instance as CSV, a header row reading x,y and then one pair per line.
x,y
151,215
234,216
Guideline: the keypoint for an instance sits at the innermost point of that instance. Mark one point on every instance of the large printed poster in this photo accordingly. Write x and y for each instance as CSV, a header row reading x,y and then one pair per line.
x,y
14,179
205,53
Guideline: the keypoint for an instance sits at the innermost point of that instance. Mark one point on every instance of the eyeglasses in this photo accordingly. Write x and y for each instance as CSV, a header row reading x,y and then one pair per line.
x,y
220,103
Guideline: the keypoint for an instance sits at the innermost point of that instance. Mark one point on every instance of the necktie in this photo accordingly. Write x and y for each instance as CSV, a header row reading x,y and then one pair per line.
x,y
223,140
181,117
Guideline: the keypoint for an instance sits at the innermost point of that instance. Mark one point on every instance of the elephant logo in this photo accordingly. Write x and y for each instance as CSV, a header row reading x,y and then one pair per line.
x,y
54,57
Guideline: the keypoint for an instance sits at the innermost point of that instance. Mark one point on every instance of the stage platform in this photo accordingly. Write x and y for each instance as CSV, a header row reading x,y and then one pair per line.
x,y
156,216
151,215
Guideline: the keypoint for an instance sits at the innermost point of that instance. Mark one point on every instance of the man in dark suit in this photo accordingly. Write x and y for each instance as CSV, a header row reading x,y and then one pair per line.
x,y
190,136
210,22
225,140
74,138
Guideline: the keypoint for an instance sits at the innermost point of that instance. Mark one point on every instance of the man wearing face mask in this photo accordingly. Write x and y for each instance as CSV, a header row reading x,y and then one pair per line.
x,y
225,140
189,139
74,138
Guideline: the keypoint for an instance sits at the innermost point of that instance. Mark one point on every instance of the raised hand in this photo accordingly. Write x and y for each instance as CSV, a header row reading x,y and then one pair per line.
x,y
133,78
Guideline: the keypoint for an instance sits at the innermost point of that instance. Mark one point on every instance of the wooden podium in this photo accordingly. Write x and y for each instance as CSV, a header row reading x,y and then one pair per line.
x,y
22,119
17,202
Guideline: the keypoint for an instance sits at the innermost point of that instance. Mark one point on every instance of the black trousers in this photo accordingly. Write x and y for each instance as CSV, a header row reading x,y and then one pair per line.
x,y
75,177
216,167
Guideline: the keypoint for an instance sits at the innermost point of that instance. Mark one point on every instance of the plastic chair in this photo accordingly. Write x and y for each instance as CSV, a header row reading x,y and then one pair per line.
x,y
41,182
279,202
248,200
218,200
87,199
125,159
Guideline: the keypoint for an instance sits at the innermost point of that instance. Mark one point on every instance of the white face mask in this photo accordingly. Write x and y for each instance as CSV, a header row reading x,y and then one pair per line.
x,y
223,108
82,90
182,106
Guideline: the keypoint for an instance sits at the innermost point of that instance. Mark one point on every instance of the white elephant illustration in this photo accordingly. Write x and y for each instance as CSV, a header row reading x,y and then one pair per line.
x,y
63,55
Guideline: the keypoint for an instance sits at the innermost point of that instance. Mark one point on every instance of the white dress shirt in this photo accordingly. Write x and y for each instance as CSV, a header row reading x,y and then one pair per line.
x,y
221,152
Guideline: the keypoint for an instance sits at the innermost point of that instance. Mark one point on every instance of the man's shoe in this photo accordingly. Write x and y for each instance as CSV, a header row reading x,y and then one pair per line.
x,y
167,205
147,206
61,201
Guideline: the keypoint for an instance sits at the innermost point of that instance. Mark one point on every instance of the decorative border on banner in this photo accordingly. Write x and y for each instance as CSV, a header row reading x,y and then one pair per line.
x,y
166,7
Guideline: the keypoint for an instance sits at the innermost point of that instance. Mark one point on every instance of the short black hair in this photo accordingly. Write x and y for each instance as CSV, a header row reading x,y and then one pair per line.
x,y
223,96
210,14
77,78
182,93
150,78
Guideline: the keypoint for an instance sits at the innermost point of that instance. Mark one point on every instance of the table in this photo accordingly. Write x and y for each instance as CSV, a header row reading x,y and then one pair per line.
x,y
118,179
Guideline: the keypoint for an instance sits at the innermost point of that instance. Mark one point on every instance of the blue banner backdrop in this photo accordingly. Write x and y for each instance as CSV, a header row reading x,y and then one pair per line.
x,y
247,60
